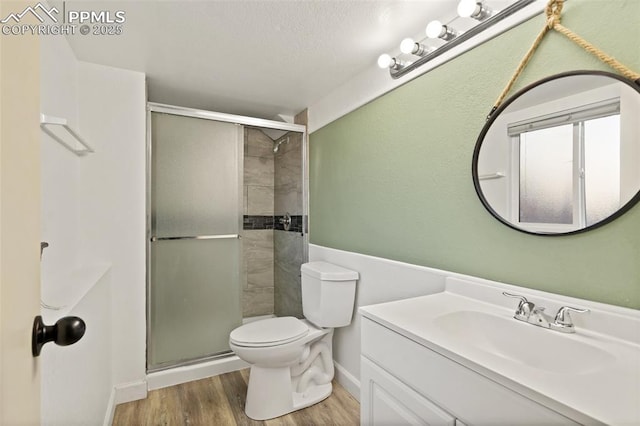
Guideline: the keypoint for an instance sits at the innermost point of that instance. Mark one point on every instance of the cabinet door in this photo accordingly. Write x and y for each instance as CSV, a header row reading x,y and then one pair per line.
x,y
387,401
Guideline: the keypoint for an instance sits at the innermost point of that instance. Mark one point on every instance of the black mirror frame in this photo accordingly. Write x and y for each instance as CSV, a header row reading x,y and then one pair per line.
x,y
492,117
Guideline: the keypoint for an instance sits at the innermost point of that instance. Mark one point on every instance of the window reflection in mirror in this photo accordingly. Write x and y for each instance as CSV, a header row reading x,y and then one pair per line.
x,y
563,155
546,176
601,168
570,173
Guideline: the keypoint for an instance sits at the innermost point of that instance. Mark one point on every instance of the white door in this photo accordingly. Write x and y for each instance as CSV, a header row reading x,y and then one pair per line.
x,y
19,224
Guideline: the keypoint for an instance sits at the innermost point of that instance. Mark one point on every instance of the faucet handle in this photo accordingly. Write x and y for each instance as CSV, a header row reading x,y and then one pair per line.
x,y
524,307
563,319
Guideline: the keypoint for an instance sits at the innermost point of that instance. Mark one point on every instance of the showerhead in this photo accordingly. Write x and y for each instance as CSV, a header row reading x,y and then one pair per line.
x,y
276,144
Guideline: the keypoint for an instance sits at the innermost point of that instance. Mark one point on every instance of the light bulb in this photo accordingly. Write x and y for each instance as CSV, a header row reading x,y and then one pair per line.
x,y
434,28
384,61
410,46
466,8
407,45
475,9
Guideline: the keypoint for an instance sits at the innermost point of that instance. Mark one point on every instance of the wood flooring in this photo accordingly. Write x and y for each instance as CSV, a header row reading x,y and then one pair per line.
x,y
219,400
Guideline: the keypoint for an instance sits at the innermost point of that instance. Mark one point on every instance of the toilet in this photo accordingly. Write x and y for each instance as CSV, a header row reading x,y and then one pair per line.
x,y
291,359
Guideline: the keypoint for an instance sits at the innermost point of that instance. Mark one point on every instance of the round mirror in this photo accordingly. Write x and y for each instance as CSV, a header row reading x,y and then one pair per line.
x,y
562,155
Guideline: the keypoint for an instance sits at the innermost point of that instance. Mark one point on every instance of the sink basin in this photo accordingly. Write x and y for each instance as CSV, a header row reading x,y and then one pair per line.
x,y
524,343
591,376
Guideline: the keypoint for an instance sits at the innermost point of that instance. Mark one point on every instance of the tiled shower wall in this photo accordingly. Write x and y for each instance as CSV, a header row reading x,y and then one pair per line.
x,y
258,270
288,244
272,256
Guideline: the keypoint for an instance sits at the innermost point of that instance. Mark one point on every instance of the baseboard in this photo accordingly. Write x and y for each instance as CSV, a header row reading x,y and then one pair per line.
x,y
111,409
178,375
132,391
348,381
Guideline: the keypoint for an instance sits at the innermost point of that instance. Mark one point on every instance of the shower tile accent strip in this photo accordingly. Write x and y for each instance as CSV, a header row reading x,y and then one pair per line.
x,y
257,222
271,222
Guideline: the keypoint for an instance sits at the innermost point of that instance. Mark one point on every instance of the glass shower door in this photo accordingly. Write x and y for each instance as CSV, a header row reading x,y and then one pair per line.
x,y
194,252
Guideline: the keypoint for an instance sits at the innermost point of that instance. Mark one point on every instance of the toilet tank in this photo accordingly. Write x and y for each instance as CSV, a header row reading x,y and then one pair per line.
x,y
328,294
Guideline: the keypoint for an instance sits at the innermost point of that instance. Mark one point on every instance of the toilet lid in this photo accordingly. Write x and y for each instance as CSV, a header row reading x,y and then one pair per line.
x,y
269,332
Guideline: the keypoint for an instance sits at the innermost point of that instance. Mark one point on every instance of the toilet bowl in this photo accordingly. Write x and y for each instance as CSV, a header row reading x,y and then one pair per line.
x,y
291,359
273,383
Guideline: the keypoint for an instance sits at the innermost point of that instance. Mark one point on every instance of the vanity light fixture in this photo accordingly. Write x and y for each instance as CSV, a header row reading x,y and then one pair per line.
x,y
442,36
386,61
410,46
475,9
436,29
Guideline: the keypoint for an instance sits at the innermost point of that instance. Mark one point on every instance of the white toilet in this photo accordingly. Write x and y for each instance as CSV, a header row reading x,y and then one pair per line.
x,y
291,359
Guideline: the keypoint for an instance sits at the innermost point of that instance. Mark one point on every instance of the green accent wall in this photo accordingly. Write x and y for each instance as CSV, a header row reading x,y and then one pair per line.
x,y
393,178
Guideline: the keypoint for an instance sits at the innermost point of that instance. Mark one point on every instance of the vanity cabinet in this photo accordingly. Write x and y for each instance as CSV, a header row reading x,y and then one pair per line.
x,y
404,382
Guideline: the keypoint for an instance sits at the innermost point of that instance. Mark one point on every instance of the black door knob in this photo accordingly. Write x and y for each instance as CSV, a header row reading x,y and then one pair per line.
x,y
66,331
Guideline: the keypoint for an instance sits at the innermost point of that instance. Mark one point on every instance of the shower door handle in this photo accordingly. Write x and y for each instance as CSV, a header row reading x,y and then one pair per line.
x,y
199,237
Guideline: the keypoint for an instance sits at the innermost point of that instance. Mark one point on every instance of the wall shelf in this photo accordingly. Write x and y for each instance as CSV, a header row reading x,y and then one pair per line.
x,y
66,137
496,175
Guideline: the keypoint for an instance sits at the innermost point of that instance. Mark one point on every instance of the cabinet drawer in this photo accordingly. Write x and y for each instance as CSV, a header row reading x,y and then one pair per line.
x,y
465,394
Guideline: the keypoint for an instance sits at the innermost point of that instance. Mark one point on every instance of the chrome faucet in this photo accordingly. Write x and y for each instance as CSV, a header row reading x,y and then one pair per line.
x,y
527,312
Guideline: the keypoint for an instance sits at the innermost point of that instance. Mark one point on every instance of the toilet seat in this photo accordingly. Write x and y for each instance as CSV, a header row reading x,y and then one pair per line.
x,y
269,332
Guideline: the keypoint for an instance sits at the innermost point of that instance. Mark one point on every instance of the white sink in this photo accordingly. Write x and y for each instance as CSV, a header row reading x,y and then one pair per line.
x,y
592,375
524,343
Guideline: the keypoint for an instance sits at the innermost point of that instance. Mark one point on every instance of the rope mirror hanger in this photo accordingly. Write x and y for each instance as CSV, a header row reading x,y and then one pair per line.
x,y
553,10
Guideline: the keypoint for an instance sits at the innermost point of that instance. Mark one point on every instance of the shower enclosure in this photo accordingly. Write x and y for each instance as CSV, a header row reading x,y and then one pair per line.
x,y
220,187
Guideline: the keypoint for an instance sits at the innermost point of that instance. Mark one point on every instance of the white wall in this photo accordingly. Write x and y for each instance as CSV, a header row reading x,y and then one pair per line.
x,y
60,169
112,209
93,216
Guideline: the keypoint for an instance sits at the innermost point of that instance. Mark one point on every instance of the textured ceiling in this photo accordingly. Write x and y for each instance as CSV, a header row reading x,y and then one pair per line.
x,y
257,58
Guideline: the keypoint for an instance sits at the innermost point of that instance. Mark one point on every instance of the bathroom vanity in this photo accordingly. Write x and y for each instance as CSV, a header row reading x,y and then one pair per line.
x,y
459,357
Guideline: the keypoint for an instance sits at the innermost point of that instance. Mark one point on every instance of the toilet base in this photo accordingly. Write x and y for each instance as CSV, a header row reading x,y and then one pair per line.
x,y
270,393
311,396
